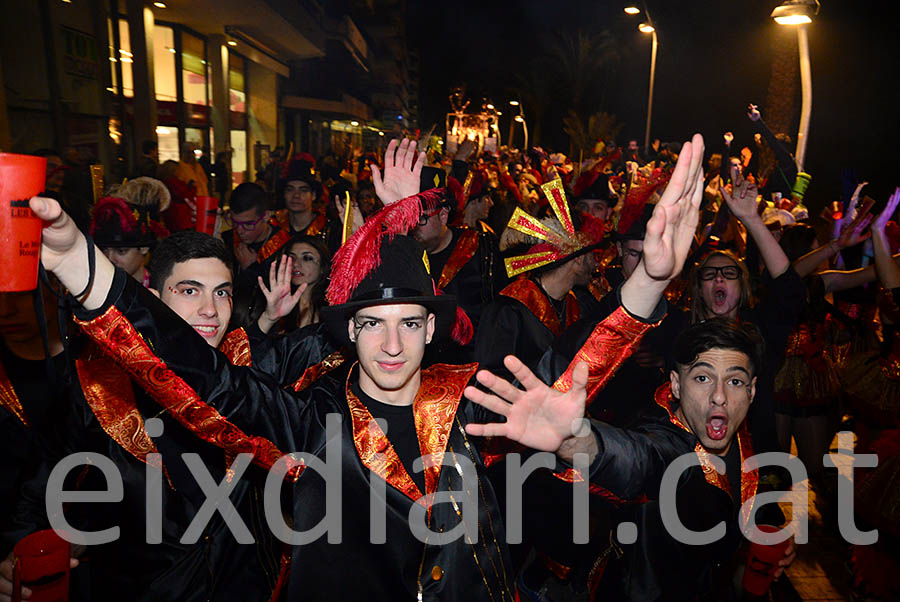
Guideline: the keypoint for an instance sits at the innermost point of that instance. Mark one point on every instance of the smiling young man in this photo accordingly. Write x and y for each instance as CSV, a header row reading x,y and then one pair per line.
x,y
191,274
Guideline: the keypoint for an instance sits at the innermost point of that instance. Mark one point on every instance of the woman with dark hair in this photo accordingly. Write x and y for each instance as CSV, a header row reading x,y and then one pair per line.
x,y
297,286
721,288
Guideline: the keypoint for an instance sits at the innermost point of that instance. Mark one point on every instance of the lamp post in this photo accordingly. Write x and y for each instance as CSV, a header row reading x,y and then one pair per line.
x,y
520,118
647,27
799,13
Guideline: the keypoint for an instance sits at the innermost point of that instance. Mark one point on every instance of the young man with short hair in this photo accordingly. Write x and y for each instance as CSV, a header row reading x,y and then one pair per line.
x,y
703,409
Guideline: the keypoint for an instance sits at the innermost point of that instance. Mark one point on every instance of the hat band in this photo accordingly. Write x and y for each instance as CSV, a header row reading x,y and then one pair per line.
x,y
389,293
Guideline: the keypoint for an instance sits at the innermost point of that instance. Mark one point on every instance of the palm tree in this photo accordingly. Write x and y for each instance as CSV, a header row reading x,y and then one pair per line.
x,y
583,136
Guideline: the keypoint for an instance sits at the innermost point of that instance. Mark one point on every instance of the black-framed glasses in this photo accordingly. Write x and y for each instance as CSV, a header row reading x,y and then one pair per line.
x,y
423,219
729,272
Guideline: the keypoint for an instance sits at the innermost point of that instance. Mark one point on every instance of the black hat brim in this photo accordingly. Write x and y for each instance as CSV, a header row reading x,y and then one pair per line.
x,y
442,306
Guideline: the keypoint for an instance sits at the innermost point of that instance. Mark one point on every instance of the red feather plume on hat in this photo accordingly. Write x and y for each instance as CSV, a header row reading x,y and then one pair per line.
x,y
477,184
455,191
587,178
361,253
109,208
510,185
637,195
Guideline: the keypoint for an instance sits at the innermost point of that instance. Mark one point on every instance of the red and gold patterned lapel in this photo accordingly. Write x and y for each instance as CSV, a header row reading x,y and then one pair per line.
x,y
464,250
9,399
434,409
109,393
236,346
526,292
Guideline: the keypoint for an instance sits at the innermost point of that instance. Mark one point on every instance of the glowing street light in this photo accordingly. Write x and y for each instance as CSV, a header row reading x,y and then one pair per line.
x,y
632,10
799,13
796,12
646,28
490,107
519,119
514,103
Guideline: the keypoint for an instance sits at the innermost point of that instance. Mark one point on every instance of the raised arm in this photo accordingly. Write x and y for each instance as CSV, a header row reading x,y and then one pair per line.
x,y
850,235
888,271
742,200
159,349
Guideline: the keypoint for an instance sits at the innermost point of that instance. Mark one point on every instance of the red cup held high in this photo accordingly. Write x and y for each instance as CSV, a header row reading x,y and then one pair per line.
x,y
21,177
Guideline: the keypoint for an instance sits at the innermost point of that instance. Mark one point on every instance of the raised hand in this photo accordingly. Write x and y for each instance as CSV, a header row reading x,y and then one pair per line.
x,y
64,251
539,416
742,199
729,138
853,228
671,228
60,237
886,214
464,150
279,300
402,170
753,112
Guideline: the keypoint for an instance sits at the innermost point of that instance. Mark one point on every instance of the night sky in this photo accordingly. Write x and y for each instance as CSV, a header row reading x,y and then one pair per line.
x,y
714,58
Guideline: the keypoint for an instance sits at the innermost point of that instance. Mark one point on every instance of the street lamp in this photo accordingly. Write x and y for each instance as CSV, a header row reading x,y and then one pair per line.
x,y
799,13
647,27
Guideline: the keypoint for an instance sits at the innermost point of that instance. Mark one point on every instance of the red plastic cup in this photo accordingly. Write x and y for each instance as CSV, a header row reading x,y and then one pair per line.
x,y
207,208
42,565
21,177
762,562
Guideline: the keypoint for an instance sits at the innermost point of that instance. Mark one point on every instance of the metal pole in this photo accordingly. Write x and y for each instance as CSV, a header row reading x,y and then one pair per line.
x,y
806,86
654,44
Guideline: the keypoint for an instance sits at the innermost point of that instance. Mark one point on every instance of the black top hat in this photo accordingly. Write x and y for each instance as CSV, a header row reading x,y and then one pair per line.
x,y
302,169
401,277
599,189
432,177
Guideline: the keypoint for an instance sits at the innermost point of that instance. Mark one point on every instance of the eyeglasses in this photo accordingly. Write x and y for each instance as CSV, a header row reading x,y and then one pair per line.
x,y
729,272
239,225
423,219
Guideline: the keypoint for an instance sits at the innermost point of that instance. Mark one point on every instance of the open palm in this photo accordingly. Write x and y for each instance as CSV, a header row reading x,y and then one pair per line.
x,y
402,171
279,300
539,417
671,228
